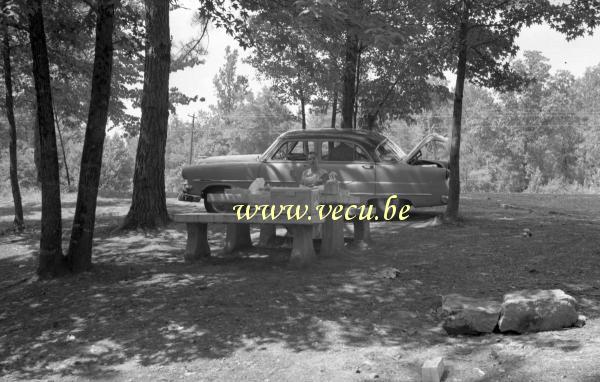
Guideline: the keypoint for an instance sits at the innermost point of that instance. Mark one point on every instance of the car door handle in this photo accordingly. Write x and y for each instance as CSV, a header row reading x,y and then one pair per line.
x,y
367,166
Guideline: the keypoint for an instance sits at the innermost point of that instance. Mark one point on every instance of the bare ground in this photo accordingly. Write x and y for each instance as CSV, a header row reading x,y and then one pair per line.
x,y
143,314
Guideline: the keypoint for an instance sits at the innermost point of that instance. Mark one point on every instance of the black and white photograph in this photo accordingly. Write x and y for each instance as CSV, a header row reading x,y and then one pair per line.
x,y
300,190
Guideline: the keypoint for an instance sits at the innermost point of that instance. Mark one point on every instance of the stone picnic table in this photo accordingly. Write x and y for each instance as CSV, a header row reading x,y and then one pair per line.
x,y
238,230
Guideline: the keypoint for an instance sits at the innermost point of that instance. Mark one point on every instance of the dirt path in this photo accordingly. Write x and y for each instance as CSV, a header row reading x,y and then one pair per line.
x,y
143,314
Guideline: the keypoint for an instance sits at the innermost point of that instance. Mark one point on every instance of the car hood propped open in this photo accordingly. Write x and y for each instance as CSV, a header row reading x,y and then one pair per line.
x,y
428,138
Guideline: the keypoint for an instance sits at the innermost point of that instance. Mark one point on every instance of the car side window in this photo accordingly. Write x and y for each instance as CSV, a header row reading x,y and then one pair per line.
x,y
360,155
337,151
294,151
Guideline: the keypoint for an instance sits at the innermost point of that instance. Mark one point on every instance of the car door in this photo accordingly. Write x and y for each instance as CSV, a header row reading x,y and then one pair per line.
x,y
423,185
354,167
285,166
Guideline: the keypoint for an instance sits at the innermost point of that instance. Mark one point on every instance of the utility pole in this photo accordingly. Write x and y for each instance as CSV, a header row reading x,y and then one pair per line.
x,y
192,137
202,99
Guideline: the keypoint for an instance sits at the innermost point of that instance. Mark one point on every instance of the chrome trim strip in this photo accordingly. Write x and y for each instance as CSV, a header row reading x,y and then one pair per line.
x,y
219,180
404,194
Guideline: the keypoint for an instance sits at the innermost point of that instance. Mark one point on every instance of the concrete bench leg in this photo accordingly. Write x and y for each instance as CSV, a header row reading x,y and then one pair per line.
x,y
267,235
197,242
332,243
362,234
317,232
303,251
238,237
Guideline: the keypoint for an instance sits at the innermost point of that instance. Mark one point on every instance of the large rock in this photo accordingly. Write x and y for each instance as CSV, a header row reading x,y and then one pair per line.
x,y
537,310
466,315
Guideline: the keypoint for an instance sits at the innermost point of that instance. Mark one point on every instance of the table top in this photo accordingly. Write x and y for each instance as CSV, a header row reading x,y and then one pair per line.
x,y
226,217
264,197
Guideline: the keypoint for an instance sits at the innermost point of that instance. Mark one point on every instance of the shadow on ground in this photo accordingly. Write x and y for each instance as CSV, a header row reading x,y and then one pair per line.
x,y
142,303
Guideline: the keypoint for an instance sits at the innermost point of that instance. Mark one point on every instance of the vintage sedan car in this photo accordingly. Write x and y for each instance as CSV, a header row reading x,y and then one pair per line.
x,y
367,163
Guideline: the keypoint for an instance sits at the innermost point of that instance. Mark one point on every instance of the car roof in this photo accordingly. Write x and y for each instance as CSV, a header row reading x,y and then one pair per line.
x,y
366,137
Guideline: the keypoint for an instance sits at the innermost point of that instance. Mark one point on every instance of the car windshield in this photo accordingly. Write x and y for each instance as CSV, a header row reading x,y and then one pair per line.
x,y
270,148
388,151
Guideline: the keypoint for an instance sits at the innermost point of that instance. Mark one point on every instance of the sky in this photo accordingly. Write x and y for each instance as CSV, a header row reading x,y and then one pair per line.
x,y
574,56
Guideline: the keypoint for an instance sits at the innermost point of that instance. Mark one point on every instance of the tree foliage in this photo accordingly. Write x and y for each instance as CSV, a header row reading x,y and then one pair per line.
x,y
575,18
542,138
370,52
231,88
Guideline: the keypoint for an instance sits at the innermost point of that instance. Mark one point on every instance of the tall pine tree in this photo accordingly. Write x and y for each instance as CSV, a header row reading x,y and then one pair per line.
x,y
148,205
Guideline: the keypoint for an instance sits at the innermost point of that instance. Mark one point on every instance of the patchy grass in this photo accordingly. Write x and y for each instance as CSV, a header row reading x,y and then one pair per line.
x,y
144,314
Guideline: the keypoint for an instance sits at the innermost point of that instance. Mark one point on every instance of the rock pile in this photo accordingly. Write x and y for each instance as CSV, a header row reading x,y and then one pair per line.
x,y
520,312
466,315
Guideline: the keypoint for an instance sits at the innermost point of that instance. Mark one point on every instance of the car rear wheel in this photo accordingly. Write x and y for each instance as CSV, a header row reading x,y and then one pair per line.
x,y
380,208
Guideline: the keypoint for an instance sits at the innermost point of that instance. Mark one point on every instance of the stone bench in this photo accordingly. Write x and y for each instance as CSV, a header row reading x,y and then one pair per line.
x,y
238,234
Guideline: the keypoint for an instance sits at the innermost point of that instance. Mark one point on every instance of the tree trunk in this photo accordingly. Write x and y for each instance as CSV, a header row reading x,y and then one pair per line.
x,y
349,80
148,205
334,108
372,116
36,149
356,88
79,256
371,121
10,115
461,71
51,261
62,148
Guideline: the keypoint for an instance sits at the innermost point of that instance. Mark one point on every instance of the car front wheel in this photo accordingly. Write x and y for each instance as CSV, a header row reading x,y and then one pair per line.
x,y
214,207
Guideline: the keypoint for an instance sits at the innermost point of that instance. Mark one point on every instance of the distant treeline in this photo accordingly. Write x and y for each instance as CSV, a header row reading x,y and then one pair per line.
x,y
545,138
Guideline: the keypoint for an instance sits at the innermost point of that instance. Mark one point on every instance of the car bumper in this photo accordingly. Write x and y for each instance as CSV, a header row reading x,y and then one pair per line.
x,y
185,197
